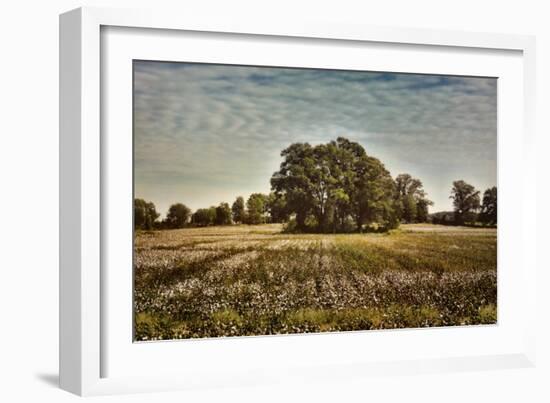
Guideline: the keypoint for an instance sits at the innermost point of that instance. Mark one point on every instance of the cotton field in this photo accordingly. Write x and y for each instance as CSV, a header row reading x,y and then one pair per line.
x,y
255,280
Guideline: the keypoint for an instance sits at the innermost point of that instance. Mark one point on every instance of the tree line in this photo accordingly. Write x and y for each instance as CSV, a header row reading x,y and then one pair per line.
x,y
469,208
333,187
259,208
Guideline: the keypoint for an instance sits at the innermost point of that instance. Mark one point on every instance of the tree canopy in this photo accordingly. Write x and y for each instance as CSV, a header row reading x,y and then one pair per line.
x,y
256,208
237,210
276,208
145,214
488,213
204,216
178,215
223,214
465,201
411,197
334,183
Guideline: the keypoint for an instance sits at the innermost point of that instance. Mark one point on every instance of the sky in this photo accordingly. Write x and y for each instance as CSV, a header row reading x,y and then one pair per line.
x,y
204,133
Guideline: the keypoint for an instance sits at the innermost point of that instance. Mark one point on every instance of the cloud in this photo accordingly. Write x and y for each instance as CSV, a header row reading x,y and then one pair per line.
x,y
207,133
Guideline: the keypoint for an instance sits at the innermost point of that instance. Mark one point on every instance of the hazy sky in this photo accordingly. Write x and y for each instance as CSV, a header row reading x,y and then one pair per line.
x,y
208,133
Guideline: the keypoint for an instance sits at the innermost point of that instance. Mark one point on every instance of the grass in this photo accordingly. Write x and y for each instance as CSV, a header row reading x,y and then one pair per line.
x,y
254,280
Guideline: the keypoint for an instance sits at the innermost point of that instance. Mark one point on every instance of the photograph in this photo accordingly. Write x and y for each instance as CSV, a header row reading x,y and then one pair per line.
x,y
272,200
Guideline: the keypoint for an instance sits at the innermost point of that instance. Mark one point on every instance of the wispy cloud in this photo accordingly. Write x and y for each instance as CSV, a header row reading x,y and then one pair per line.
x,y
207,133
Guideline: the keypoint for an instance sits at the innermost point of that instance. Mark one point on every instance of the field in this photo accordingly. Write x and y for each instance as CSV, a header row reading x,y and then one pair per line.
x,y
255,280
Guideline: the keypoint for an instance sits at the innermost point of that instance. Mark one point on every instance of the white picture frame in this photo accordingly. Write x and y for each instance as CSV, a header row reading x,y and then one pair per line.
x,y
86,332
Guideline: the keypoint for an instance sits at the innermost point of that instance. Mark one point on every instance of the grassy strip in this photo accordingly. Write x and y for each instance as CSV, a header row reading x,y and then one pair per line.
x,y
418,252
229,322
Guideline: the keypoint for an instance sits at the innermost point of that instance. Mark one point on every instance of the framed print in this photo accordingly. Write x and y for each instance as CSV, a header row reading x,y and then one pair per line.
x,y
324,239
237,197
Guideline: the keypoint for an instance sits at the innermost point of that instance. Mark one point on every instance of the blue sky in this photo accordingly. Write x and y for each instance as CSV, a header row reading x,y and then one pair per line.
x,y
208,133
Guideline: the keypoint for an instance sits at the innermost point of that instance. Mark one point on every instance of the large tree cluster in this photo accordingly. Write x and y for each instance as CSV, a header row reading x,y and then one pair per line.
x,y
335,187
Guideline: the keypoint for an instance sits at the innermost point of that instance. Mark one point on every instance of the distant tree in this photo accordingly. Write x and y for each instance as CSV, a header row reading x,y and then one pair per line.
x,y
465,201
422,213
178,215
489,207
204,216
412,198
238,210
145,214
256,207
407,185
442,217
223,214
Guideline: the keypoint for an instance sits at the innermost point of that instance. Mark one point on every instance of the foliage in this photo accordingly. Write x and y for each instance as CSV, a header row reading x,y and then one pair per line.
x,y
256,208
178,215
488,213
334,181
412,198
223,214
204,216
465,201
238,211
442,218
277,208
422,210
145,214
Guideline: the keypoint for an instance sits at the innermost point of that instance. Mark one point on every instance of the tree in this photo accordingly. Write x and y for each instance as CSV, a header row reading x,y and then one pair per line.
x,y
489,207
223,214
178,215
238,210
368,186
145,214
442,217
465,201
277,208
341,209
409,208
422,213
204,216
256,206
292,181
412,197
372,200
334,181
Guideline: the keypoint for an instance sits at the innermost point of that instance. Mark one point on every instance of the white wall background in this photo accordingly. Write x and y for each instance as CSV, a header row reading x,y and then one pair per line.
x,y
29,201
